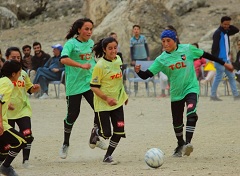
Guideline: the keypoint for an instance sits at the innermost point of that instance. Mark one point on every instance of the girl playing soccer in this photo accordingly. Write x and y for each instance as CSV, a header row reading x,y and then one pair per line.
x,y
11,141
19,110
177,63
79,62
109,95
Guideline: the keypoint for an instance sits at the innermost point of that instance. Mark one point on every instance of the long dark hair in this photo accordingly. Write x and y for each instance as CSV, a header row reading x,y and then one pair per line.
x,y
10,67
102,44
76,25
13,48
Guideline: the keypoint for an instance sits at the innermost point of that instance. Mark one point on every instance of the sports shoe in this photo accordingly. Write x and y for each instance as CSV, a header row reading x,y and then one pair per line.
x,y
63,151
9,171
187,149
215,99
95,141
44,96
93,138
109,160
178,151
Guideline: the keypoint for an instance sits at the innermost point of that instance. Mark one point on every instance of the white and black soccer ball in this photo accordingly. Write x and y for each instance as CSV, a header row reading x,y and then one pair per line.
x,y
154,157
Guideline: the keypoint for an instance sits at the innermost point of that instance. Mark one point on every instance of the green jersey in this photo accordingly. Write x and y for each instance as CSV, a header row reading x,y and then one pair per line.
x,y
19,98
179,68
6,88
108,75
78,79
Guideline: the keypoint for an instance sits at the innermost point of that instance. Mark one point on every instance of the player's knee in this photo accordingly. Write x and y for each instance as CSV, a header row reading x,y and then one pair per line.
x,y
192,118
106,134
28,135
29,139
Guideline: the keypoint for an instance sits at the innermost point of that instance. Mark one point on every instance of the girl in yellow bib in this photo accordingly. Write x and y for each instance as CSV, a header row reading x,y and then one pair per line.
x,y
19,110
11,141
109,96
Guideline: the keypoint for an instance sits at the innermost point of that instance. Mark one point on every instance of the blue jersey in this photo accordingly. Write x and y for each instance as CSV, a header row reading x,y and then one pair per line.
x,y
139,50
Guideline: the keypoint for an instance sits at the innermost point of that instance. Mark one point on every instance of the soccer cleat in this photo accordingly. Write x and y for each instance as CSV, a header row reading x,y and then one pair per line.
x,y
9,171
93,138
64,151
187,149
101,144
108,160
178,151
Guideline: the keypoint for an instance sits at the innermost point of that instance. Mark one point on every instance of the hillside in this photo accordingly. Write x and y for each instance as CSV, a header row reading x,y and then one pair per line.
x,y
195,24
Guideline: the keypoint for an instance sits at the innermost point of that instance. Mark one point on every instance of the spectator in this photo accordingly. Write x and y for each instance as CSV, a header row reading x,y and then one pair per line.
x,y
221,49
38,60
138,46
51,71
198,63
27,58
138,50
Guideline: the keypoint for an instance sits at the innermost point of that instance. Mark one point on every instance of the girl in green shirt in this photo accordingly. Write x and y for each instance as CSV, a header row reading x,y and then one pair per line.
x,y
177,63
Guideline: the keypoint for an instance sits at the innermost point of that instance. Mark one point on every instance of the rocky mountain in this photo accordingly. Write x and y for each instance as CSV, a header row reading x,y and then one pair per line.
x,y
25,21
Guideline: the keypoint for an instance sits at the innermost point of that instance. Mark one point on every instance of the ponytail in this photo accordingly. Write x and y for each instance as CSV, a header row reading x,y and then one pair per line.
x,y
76,25
102,44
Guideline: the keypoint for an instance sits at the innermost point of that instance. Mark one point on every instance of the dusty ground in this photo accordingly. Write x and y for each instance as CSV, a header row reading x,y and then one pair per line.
x,y
148,124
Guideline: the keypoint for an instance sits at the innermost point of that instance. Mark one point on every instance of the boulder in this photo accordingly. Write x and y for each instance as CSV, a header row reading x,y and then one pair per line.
x,y
7,18
151,15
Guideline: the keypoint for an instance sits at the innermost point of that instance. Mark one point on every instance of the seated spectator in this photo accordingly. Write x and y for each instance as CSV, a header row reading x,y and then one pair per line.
x,y
211,72
51,71
38,60
27,58
198,63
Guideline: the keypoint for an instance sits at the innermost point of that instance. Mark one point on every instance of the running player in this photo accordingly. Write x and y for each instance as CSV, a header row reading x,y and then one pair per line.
x,y
79,62
177,63
109,95
19,111
11,141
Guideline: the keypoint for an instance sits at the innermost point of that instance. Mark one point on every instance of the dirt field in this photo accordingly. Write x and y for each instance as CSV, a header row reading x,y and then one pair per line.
x,y
148,124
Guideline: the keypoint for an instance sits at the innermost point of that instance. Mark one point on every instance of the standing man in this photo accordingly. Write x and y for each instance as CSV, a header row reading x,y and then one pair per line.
x,y
38,60
221,49
138,49
27,58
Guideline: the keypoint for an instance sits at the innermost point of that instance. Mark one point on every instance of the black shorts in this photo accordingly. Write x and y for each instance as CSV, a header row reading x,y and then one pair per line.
x,y
177,107
116,117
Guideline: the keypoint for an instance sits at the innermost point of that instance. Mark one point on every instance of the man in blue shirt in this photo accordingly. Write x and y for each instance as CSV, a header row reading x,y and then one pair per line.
x,y
221,49
138,49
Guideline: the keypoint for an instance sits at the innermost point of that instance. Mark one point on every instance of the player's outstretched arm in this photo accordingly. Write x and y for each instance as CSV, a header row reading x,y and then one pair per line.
x,y
211,57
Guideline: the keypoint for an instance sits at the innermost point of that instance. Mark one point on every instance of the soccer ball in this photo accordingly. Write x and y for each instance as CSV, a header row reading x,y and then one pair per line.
x,y
154,157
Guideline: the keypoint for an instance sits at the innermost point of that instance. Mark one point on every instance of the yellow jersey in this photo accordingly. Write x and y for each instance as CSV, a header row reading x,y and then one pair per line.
x,y
6,88
20,99
108,76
